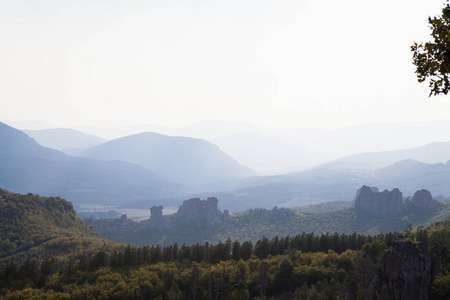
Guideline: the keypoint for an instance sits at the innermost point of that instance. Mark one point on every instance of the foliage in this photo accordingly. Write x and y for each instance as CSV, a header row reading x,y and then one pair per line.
x,y
304,266
440,289
432,59
279,268
34,227
324,207
170,273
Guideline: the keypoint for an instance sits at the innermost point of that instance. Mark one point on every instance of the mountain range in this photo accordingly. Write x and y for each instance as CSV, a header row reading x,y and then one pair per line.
x,y
148,168
272,151
179,159
67,140
26,166
321,184
429,153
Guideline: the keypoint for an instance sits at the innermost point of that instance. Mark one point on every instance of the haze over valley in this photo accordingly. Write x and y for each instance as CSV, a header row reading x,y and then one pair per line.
x,y
197,168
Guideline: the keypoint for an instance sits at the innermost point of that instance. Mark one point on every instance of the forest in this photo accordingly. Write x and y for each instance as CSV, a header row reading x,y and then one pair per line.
x,y
49,253
305,266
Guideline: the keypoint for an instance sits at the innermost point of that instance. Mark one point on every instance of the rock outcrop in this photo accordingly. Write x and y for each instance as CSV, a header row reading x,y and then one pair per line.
x,y
369,199
203,211
423,199
156,217
196,209
379,203
156,212
406,273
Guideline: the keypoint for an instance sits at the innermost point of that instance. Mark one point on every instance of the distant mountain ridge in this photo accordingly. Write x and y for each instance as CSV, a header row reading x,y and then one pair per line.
x,y
430,153
29,167
64,139
315,146
321,184
180,159
25,167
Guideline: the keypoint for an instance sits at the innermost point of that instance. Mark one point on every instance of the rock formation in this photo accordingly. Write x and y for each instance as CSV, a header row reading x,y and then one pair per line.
x,y
406,273
196,209
379,203
203,211
156,217
423,199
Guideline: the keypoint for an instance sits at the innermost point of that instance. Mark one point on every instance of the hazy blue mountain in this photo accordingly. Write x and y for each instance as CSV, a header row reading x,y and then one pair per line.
x,y
321,185
25,166
181,159
112,133
430,153
330,143
264,149
67,140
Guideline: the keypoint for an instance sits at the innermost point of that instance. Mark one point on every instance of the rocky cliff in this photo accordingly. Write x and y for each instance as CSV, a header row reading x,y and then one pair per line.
x,y
196,209
405,273
204,211
379,203
423,199
369,199
156,217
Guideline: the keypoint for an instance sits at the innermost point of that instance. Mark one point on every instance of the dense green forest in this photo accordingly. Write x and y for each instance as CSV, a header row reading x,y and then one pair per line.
x,y
306,266
57,256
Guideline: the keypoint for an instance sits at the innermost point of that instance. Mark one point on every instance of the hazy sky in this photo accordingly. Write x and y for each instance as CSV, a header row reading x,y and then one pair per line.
x,y
276,63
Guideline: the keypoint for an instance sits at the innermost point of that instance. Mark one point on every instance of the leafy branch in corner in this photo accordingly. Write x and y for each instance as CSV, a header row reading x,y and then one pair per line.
x,y
432,59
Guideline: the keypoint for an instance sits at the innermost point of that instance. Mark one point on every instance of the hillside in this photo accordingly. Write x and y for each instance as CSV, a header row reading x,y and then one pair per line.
x,y
323,207
25,167
255,223
43,227
57,257
180,159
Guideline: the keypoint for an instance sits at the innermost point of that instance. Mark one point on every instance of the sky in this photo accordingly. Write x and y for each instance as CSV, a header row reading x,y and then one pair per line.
x,y
284,63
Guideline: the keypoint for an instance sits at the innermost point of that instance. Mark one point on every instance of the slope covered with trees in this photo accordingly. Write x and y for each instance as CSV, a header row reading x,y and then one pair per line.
x,y
305,266
56,256
253,224
34,227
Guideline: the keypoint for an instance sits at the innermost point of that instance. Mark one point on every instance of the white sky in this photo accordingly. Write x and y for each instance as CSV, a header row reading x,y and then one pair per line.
x,y
277,63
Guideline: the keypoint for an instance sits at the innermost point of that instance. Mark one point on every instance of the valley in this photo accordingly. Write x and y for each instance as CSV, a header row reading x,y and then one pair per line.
x,y
140,198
